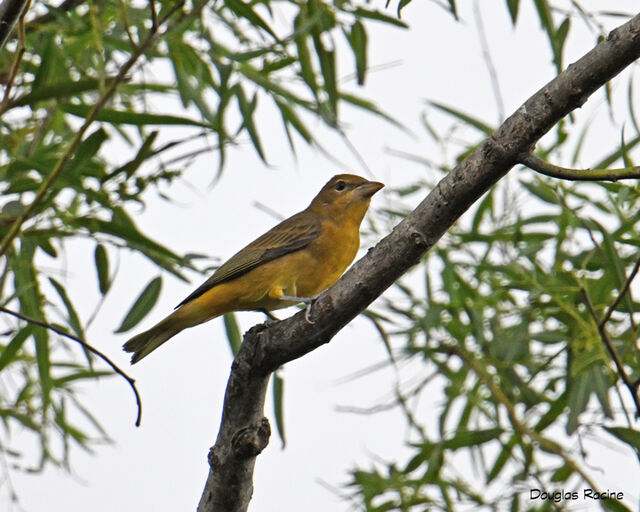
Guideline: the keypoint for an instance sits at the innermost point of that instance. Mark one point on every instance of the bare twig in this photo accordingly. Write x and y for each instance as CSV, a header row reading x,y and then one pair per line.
x,y
621,295
154,15
88,347
602,329
10,11
486,54
16,62
564,173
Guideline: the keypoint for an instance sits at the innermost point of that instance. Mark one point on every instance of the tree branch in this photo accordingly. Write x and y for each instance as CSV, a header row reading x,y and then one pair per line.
x,y
89,347
554,171
264,349
602,329
16,63
10,11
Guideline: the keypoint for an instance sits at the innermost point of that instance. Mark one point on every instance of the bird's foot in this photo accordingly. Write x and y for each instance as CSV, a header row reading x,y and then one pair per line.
x,y
309,301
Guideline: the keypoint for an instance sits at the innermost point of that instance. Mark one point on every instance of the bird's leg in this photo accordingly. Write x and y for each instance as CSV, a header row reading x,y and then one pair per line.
x,y
270,316
307,300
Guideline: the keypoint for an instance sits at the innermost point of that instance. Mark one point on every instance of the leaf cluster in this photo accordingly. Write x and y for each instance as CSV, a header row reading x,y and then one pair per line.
x,y
500,313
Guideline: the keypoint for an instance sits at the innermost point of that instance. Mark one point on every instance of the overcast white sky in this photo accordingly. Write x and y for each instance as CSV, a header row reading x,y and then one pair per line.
x,y
162,466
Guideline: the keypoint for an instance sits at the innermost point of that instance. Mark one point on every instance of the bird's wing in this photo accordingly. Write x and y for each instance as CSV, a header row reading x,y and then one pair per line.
x,y
290,235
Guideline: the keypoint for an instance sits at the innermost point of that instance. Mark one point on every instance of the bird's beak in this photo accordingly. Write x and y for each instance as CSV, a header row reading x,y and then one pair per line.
x,y
368,188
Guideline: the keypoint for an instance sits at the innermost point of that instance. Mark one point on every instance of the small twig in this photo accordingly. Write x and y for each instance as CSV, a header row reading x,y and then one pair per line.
x,y
537,164
154,15
87,346
621,295
10,11
602,329
17,61
127,28
486,54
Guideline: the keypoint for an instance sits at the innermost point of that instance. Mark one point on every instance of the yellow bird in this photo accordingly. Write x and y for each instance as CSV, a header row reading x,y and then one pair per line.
x,y
291,263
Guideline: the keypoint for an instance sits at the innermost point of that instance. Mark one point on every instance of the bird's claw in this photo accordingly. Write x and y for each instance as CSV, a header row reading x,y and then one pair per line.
x,y
307,313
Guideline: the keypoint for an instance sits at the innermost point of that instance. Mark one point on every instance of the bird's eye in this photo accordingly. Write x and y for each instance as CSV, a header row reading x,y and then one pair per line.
x,y
340,186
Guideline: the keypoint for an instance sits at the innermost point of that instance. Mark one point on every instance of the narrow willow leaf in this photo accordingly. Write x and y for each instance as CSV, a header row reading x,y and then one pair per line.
x,y
11,349
466,438
87,150
465,118
358,41
502,458
613,156
74,320
452,7
142,305
378,16
144,152
133,118
626,435
102,268
562,474
278,405
289,116
247,110
243,10
233,332
513,6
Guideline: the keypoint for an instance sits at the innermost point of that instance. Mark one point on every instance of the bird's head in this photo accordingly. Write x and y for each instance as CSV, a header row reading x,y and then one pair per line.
x,y
345,195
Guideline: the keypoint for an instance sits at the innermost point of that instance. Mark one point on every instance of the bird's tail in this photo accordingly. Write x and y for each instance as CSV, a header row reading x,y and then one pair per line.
x,y
146,342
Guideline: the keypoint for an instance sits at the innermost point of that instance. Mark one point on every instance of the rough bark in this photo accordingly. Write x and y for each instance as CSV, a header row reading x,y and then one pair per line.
x,y
265,348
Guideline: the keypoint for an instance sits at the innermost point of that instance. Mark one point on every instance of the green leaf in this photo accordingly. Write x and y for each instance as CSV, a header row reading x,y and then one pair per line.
x,y
465,118
9,351
123,227
546,20
142,305
466,438
233,332
145,152
484,208
618,153
87,150
378,16
74,320
247,109
452,7
358,41
304,58
278,404
503,457
513,6
626,435
243,10
542,191
559,38
562,474
102,268
133,118
289,117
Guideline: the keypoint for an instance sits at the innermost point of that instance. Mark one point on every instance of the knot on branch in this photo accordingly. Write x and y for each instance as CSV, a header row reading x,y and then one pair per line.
x,y
251,440
418,240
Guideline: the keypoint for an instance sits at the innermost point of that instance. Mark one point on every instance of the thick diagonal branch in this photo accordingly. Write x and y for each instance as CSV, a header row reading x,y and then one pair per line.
x,y
229,485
